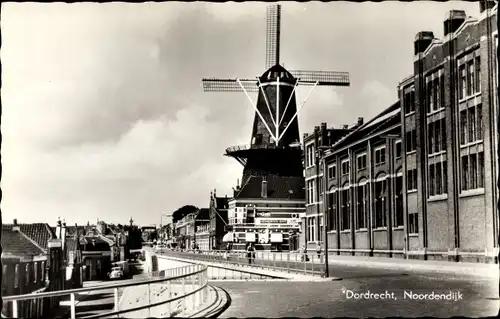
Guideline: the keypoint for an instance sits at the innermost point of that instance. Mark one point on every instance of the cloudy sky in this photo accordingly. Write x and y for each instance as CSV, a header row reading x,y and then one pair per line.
x,y
103,110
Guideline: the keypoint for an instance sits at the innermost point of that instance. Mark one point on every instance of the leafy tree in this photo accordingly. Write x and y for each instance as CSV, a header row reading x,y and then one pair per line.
x,y
183,211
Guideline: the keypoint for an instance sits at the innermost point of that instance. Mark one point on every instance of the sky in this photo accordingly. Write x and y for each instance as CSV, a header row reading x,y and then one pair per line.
x,y
104,116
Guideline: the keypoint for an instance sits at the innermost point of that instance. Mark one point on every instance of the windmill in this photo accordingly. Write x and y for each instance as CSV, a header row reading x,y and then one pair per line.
x,y
275,135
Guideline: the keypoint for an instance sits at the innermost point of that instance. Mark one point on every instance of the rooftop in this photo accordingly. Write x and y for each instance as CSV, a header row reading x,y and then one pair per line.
x,y
278,187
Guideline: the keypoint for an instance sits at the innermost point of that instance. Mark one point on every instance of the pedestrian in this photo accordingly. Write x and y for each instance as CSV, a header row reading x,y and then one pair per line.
x,y
250,254
318,250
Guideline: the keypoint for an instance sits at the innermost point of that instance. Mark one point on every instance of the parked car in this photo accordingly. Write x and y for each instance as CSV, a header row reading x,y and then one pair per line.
x,y
116,273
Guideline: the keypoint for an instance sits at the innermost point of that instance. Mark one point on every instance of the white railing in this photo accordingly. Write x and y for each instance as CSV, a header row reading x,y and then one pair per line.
x,y
307,264
187,284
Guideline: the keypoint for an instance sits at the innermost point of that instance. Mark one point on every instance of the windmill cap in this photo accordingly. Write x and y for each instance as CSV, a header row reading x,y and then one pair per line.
x,y
277,71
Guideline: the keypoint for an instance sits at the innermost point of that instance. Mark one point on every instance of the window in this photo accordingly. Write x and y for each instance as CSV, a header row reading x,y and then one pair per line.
x,y
332,172
411,141
413,223
311,222
345,203
399,149
472,171
429,96
361,162
380,156
332,202
411,180
310,155
398,216
345,167
436,136
471,124
362,206
438,178
321,229
380,204
409,100
311,191
477,84
470,77
441,91
461,82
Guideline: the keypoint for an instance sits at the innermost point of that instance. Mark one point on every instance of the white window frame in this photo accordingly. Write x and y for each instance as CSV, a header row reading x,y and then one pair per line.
x,y
375,155
342,166
366,160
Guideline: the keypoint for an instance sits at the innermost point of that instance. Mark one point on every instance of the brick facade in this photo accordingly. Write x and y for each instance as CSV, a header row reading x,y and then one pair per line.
x,y
419,180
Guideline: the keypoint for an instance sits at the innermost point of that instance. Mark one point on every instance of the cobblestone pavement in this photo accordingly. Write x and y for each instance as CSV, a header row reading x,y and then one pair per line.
x,y
337,299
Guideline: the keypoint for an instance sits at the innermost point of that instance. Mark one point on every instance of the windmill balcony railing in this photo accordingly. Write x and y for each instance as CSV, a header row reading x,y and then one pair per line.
x,y
290,262
245,147
168,292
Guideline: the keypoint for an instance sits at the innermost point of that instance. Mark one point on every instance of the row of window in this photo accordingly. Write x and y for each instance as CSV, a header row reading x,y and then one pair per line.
x,y
310,155
362,202
469,83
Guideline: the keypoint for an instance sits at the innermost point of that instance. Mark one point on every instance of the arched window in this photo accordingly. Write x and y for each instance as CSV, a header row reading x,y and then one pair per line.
x,y
362,203
398,194
332,208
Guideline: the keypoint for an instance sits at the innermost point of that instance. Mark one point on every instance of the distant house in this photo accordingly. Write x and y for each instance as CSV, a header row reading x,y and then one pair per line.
x,y
218,220
202,229
25,242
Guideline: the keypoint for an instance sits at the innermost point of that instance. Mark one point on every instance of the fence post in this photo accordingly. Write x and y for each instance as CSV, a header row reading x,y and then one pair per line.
x,y
14,309
73,305
288,262
193,296
274,264
149,300
305,265
116,299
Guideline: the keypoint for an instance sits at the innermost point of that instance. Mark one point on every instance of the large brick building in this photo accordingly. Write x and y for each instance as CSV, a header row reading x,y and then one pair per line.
x,y
419,180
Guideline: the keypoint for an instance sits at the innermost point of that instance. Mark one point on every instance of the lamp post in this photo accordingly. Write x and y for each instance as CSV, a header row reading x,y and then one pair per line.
x,y
320,154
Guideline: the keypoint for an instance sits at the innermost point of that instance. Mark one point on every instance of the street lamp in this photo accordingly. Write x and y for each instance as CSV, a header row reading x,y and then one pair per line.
x,y
321,153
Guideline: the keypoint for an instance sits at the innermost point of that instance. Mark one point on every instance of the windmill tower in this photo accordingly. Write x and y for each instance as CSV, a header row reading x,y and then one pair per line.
x,y
275,142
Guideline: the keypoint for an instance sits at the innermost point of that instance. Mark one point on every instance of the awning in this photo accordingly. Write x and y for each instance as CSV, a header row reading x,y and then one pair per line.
x,y
228,238
250,237
276,237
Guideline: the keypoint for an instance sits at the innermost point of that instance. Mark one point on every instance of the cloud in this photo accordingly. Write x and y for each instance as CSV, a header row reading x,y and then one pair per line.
x,y
103,109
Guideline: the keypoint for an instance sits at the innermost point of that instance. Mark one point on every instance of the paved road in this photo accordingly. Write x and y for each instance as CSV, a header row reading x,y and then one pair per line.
x,y
329,299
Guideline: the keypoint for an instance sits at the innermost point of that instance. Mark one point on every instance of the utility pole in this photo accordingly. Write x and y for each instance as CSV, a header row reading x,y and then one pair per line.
x,y
321,154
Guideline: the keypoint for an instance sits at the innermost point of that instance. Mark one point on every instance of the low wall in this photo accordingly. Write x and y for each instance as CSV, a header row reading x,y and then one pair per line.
x,y
143,295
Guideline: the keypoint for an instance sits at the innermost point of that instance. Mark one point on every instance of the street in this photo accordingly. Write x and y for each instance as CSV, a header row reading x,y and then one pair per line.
x,y
330,299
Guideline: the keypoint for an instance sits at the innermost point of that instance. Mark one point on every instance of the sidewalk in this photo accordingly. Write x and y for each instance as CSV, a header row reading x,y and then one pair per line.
x,y
443,267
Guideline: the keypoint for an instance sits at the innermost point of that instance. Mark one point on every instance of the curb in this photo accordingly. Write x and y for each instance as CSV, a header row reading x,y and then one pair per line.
x,y
222,301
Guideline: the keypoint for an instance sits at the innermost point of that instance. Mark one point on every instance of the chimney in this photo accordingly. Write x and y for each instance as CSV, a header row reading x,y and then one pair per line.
x,y
485,5
422,41
324,135
215,192
264,188
15,227
453,20
63,234
360,121
58,228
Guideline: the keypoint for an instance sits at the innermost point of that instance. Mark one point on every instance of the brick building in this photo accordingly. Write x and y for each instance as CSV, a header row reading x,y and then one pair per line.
x,y
419,180
264,211
218,220
312,224
450,106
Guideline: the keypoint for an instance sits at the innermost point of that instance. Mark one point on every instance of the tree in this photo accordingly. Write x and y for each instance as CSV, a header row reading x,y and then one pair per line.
x,y
183,211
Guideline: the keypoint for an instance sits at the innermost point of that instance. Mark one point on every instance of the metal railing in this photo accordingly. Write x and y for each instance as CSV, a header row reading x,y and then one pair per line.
x,y
307,264
187,284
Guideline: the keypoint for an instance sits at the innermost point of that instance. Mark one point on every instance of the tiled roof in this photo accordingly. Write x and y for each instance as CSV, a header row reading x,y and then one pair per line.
x,y
38,232
221,202
14,243
278,187
203,213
